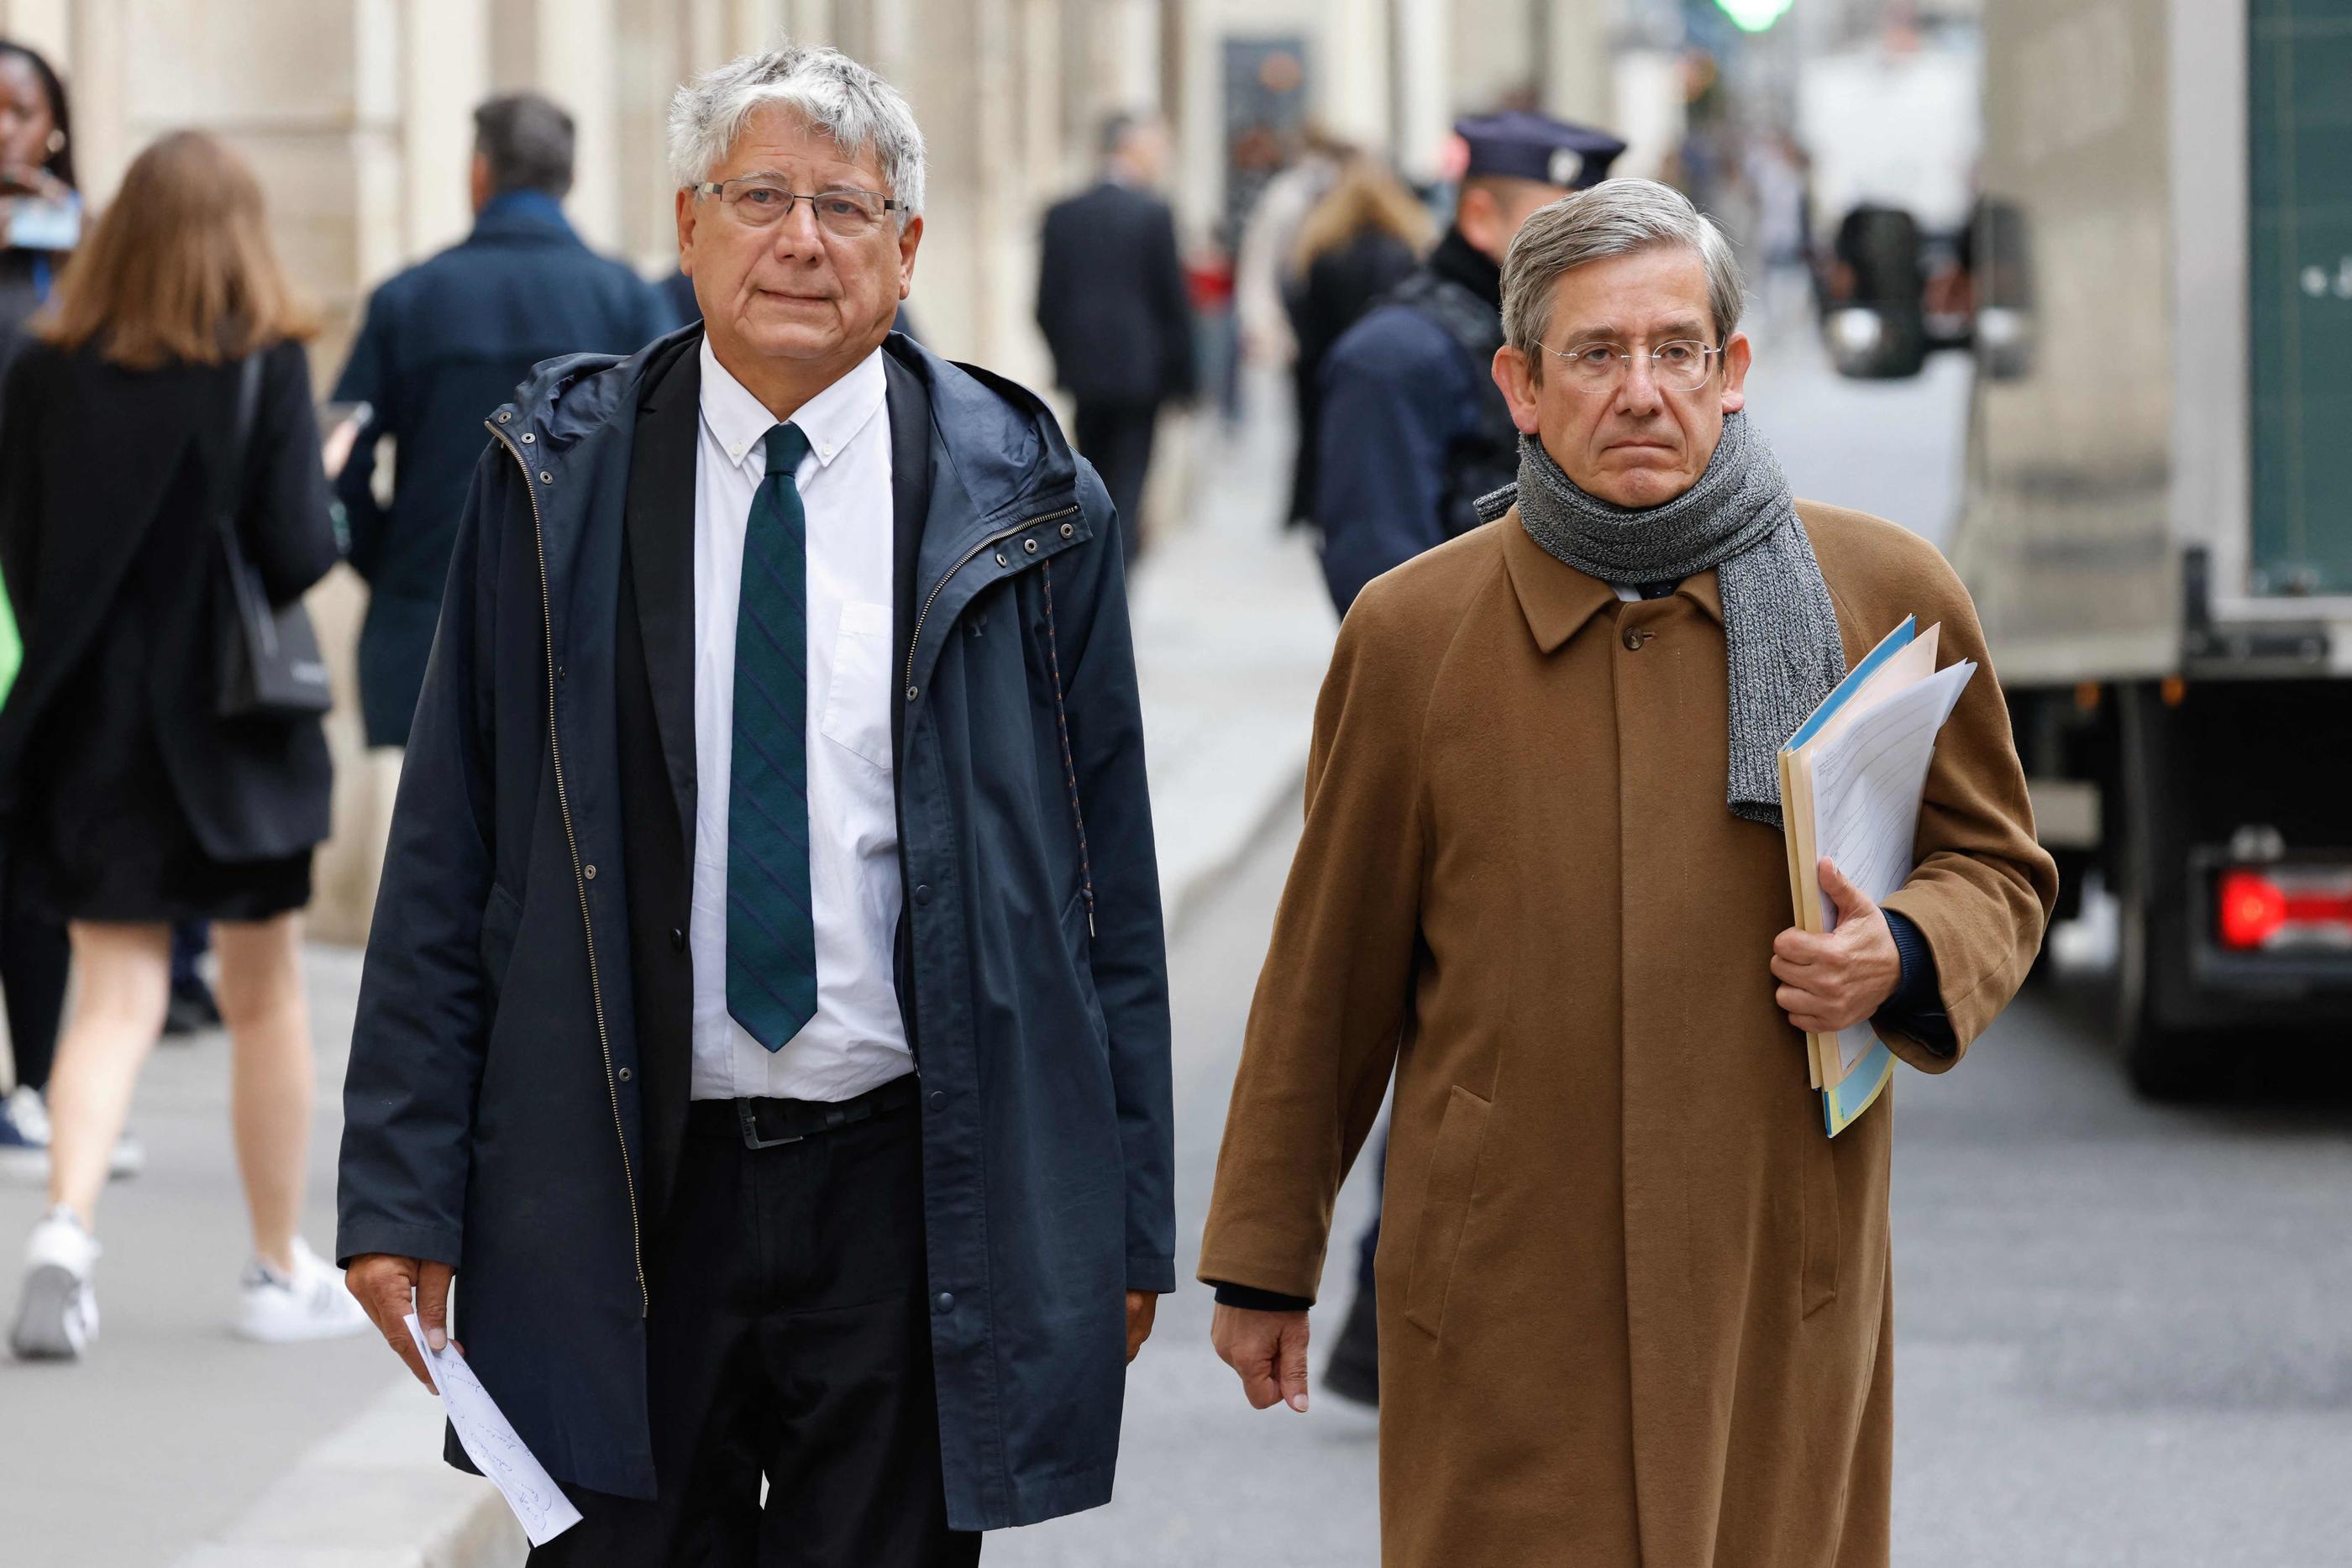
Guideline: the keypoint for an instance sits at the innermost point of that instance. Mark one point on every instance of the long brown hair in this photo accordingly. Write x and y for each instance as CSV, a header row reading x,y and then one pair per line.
x,y
1365,196
180,266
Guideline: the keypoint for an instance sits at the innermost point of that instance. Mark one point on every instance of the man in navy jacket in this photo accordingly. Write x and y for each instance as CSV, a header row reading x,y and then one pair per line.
x,y
784,666
444,343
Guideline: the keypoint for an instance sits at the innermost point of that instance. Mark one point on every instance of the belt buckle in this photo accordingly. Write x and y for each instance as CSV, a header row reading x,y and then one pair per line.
x,y
750,1121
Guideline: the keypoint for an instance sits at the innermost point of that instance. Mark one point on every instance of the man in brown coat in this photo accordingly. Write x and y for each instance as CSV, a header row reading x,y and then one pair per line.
x,y
1635,1305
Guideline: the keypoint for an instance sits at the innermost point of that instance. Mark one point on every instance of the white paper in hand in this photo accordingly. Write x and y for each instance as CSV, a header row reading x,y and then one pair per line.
x,y
545,1513
1866,785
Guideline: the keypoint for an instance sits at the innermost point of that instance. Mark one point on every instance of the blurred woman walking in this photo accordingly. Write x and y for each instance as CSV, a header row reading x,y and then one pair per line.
x,y
158,447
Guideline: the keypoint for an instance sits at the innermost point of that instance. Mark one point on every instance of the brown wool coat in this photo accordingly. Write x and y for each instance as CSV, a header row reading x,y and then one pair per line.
x,y
1635,1304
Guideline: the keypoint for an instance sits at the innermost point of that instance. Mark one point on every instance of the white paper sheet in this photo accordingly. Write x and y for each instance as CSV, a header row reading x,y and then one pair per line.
x,y
1867,781
538,1502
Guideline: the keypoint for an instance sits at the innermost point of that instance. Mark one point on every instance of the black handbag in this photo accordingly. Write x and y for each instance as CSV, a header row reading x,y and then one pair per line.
x,y
269,665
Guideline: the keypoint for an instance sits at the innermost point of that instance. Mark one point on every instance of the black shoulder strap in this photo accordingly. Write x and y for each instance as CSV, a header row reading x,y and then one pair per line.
x,y
231,488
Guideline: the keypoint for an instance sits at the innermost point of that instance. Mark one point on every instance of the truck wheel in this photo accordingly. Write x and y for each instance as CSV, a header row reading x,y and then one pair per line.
x,y
2163,1061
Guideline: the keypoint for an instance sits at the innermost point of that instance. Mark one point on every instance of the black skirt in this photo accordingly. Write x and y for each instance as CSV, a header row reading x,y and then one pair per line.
x,y
106,837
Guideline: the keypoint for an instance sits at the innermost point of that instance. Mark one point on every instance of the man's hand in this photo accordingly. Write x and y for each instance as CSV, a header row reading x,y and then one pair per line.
x,y
381,1283
1267,1349
1142,1306
1833,982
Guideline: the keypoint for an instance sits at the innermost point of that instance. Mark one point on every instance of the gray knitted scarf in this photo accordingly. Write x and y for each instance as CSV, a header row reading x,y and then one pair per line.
x,y
1740,519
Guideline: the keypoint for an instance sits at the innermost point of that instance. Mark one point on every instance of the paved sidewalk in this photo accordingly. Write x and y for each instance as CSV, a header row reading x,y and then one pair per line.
x,y
318,1455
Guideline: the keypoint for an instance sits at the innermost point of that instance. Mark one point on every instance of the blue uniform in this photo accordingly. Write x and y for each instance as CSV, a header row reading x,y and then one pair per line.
x,y
1398,395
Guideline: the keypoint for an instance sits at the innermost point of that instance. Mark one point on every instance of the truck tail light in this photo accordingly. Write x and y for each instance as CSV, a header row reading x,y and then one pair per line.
x,y
2282,907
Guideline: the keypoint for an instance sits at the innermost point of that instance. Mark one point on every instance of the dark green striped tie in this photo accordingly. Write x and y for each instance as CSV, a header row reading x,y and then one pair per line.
x,y
771,932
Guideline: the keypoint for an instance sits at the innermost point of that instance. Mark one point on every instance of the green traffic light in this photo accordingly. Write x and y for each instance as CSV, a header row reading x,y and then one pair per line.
x,y
1754,16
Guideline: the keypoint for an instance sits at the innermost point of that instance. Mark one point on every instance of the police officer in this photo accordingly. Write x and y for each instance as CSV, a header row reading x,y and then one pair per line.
x,y
1413,429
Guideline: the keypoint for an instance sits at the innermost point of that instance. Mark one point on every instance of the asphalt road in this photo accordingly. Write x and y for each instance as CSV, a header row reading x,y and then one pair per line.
x,y
2123,1333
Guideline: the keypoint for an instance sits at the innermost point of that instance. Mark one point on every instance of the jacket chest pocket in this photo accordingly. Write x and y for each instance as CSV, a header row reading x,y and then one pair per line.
x,y
858,697
1444,1208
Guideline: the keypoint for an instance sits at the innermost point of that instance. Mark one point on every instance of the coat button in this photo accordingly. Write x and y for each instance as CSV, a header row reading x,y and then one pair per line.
x,y
589,871
938,1098
623,1076
1029,545
923,894
1634,637
910,694
1068,529
943,1301
677,938
528,438
545,477
1003,559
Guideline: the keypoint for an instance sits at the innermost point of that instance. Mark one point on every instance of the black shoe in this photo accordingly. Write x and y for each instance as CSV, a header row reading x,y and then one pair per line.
x,y
1354,1370
191,1010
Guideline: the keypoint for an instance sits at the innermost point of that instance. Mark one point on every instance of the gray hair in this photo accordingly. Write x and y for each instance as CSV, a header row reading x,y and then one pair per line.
x,y
1616,217
860,111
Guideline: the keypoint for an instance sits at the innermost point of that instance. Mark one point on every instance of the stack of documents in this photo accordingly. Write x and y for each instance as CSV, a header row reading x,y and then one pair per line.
x,y
1851,780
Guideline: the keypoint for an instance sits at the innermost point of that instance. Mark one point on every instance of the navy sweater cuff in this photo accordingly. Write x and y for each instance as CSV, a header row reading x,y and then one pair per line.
x,y
1250,1299
1917,1005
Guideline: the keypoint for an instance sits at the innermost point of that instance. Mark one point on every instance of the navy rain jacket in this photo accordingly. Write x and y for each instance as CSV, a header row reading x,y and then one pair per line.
x,y
444,343
491,1120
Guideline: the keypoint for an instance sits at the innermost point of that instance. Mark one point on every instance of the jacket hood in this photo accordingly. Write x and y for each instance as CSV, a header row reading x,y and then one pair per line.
x,y
999,439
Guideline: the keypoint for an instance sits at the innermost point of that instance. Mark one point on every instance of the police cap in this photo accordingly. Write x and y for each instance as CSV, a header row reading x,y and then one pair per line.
x,y
1536,147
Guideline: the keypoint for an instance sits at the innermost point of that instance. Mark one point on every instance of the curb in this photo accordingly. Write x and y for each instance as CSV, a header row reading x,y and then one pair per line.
x,y
379,1480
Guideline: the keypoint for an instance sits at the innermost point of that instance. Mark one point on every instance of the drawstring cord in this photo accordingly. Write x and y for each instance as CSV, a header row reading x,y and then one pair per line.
x,y
1069,762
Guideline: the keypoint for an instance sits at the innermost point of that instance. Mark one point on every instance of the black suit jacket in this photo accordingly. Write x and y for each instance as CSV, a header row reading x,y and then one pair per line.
x,y
1111,298
655,645
110,484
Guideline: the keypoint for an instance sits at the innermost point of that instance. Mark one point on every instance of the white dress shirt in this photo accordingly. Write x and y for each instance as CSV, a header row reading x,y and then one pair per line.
x,y
857,1040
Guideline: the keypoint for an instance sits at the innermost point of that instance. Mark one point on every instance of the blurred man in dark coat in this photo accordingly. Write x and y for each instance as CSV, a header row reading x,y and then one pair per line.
x,y
1110,299
1412,429
445,343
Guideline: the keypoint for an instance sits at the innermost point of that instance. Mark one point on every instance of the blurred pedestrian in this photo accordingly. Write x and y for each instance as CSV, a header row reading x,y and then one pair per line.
x,y
663,926
165,408
1411,430
1632,1295
1110,299
445,342
1357,243
1266,274
40,223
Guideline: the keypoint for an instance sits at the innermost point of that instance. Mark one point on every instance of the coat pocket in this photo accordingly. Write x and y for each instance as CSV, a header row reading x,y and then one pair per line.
x,y
1818,1282
501,922
1444,1207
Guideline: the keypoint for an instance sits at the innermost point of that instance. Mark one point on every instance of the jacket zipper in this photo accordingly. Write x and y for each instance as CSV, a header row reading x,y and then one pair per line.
x,y
940,587
579,880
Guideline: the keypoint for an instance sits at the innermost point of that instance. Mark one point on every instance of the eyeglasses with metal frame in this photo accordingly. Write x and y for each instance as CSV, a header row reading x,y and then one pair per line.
x,y
762,201
1683,365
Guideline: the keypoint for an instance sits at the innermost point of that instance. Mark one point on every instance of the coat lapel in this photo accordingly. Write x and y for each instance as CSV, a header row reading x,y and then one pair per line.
x,y
661,554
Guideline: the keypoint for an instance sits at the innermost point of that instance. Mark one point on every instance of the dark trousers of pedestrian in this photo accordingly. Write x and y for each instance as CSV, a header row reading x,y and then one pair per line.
x,y
789,1336
1116,437
35,957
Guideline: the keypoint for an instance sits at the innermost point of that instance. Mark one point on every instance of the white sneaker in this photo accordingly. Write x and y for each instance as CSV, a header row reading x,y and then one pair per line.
x,y
311,1303
56,1316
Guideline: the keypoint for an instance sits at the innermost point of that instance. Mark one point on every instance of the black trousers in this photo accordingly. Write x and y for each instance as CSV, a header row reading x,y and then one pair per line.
x,y
1116,437
789,1337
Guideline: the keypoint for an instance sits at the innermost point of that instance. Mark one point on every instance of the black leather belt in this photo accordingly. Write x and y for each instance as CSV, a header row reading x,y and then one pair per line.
x,y
766,1124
